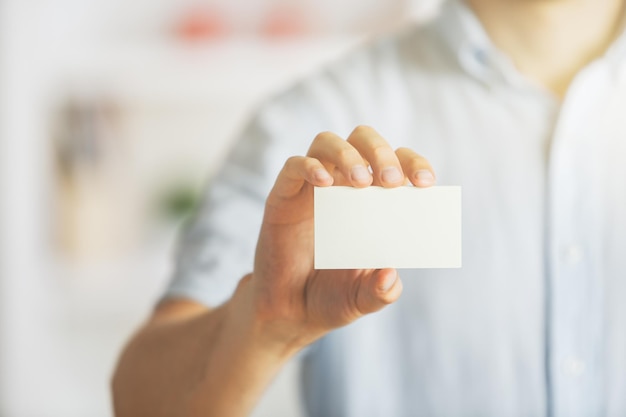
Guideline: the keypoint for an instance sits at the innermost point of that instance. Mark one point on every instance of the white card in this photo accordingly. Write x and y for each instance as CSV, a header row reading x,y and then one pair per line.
x,y
375,227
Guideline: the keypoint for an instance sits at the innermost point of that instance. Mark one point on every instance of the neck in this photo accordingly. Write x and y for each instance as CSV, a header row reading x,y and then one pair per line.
x,y
550,41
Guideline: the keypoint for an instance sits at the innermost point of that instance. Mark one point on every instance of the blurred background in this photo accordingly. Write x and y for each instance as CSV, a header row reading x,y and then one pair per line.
x,y
113,115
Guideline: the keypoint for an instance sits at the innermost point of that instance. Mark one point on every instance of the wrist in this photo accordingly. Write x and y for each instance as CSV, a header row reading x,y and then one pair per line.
x,y
265,327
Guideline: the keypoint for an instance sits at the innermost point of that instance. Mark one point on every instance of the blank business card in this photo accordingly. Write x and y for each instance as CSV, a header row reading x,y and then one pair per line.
x,y
375,227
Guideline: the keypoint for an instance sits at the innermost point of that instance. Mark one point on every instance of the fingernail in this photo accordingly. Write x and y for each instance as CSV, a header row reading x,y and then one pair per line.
x,y
391,175
425,177
389,282
360,174
321,175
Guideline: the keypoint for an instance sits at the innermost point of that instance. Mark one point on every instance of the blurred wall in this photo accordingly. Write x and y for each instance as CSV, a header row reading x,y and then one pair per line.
x,y
23,306
112,116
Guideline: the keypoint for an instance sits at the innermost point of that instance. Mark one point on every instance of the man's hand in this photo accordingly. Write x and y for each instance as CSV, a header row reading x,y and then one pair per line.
x,y
190,360
301,304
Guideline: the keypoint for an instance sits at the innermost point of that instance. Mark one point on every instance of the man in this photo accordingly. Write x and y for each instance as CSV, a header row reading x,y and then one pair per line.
x,y
521,102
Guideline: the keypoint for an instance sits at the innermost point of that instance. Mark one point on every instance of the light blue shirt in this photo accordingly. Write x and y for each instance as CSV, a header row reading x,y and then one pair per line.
x,y
534,324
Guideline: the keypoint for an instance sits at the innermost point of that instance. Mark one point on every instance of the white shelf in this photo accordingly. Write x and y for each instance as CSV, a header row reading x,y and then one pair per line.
x,y
231,69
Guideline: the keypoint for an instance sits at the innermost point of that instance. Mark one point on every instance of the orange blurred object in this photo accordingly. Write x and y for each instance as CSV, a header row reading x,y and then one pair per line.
x,y
200,23
285,20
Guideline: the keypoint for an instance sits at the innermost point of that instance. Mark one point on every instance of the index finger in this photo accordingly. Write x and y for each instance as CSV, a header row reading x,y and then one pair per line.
x,y
333,151
375,149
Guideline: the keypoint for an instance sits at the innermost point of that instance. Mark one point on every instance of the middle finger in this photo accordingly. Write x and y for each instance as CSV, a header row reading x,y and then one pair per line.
x,y
386,167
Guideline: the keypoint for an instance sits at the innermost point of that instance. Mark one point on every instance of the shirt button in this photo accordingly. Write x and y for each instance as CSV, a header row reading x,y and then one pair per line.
x,y
573,254
574,367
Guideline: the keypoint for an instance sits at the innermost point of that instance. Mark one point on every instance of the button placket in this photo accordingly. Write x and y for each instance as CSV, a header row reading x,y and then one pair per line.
x,y
573,254
572,308
574,366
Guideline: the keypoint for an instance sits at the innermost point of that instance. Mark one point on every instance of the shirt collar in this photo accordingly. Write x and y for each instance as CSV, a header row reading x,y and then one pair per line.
x,y
463,32
618,49
616,54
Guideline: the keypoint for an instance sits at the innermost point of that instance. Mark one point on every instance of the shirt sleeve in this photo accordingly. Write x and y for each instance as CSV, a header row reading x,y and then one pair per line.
x,y
217,247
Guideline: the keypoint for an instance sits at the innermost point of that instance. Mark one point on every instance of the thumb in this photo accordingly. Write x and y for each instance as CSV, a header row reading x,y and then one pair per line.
x,y
378,290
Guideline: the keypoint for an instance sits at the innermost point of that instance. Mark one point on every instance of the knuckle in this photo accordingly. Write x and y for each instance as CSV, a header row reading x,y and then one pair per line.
x,y
244,281
360,130
310,163
323,136
380,151
346,154
292,161
412,158
386,298
404,150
